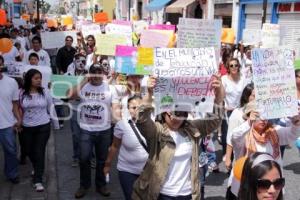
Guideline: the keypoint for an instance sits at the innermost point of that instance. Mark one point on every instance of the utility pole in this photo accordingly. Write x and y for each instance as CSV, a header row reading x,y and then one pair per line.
x,y
129,6
264,13
38,11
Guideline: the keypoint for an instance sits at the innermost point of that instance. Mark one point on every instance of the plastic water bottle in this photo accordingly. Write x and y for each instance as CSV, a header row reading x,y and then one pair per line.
x,y
107,178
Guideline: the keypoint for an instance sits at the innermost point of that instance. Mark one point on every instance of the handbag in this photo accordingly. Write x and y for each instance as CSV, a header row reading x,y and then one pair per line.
x,y
133,127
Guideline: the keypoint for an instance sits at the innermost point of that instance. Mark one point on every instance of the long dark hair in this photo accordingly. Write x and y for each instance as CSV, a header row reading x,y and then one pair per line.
x,y
250,175
28,82
246,94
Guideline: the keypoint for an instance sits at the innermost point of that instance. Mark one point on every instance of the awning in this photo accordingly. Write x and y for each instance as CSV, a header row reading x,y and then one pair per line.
x,y
155,5
178,6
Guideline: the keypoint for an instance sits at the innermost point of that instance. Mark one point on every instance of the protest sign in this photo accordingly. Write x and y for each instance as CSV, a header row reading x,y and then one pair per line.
x,y
139,26
15,69
51,40
274,81
228,35
121,30
197,33
145,56
121,22
270,35
3,17
101,17
52,23
183,94
19,22
67,20
106,43
251,36
162,27
90,29
170,62
60,84
154,39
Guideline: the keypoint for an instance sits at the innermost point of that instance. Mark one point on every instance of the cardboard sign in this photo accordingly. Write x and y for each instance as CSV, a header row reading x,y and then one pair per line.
x,y
3,18
153,39
15,69
90,29
183,94
60,84
270,35
197,33
106,43
121,30
51,40
274,81
251,36
139,26
173,62
228,36
145,56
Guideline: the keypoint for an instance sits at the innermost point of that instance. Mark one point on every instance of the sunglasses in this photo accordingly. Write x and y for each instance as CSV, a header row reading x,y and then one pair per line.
x,y
235,65
266,184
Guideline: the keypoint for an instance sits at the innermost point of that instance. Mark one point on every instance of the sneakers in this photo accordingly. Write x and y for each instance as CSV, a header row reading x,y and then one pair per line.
x,y
39,187
103,191
75,163
81,192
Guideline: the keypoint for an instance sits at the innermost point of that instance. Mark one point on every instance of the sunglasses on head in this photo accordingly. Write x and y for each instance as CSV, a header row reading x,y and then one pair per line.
x,y
235,65
266,184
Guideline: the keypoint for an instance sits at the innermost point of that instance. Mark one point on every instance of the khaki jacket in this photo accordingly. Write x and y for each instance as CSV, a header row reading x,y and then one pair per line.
x,y
162,147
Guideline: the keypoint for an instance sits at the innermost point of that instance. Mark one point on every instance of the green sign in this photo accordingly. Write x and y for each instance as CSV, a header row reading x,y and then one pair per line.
x,y
61,83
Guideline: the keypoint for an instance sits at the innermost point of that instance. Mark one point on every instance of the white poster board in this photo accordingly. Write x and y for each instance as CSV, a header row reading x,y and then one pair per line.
x,y
121,30
52,40
251,36
275,84
154,39
90,29
270,35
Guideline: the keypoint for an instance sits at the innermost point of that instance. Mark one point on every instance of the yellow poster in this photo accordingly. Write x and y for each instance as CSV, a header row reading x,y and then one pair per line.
x,y
106,43
145,56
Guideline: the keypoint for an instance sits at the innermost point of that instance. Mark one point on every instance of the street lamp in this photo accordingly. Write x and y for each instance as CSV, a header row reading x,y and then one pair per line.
x,y
264,14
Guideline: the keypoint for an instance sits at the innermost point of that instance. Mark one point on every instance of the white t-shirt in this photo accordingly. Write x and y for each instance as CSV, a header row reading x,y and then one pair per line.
x,y
95,107
178,178
43,56
37,109
10,57
9,92
132,155
233,91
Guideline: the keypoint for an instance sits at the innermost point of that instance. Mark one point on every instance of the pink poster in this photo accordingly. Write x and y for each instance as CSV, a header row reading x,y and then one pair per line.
x,y
162,27
125,50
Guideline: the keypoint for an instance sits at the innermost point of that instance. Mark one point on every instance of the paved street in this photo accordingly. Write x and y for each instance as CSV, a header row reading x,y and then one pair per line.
x,y
68,177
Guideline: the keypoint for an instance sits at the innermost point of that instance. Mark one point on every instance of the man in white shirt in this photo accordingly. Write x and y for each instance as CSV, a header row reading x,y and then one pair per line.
x,y
10,119
44,59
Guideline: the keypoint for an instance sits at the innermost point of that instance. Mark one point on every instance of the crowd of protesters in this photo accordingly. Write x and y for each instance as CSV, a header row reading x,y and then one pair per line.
x,y
162,157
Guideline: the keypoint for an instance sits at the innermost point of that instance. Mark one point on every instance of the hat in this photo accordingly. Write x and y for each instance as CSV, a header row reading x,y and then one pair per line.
x,y
251,106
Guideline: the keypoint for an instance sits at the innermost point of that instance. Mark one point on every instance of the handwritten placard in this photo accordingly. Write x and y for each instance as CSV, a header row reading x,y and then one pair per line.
x,y
170,62
197,33
153,39
60,84
251,36
52,40
275,84
270,35
122,22
183,94
139,26
15,69
124,30
90,29
106,43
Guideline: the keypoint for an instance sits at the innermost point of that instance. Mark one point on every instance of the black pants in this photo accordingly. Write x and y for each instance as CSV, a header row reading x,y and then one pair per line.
x,y
22,146
166,197
224,129
35,140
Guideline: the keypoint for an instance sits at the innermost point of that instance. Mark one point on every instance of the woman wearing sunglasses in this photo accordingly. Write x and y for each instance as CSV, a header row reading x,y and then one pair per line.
x,y
234,84
172,169
261,178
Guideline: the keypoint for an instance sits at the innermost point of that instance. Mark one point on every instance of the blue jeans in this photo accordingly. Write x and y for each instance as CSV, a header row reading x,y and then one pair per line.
x,y
100,140
8,142
127,180
75,135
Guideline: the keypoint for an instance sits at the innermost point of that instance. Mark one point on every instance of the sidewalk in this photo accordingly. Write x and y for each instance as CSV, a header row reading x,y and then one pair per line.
x,y
24,190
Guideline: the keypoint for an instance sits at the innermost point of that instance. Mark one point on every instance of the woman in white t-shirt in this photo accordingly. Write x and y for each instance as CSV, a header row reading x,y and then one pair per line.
x,y
233,83
132,155
37,111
